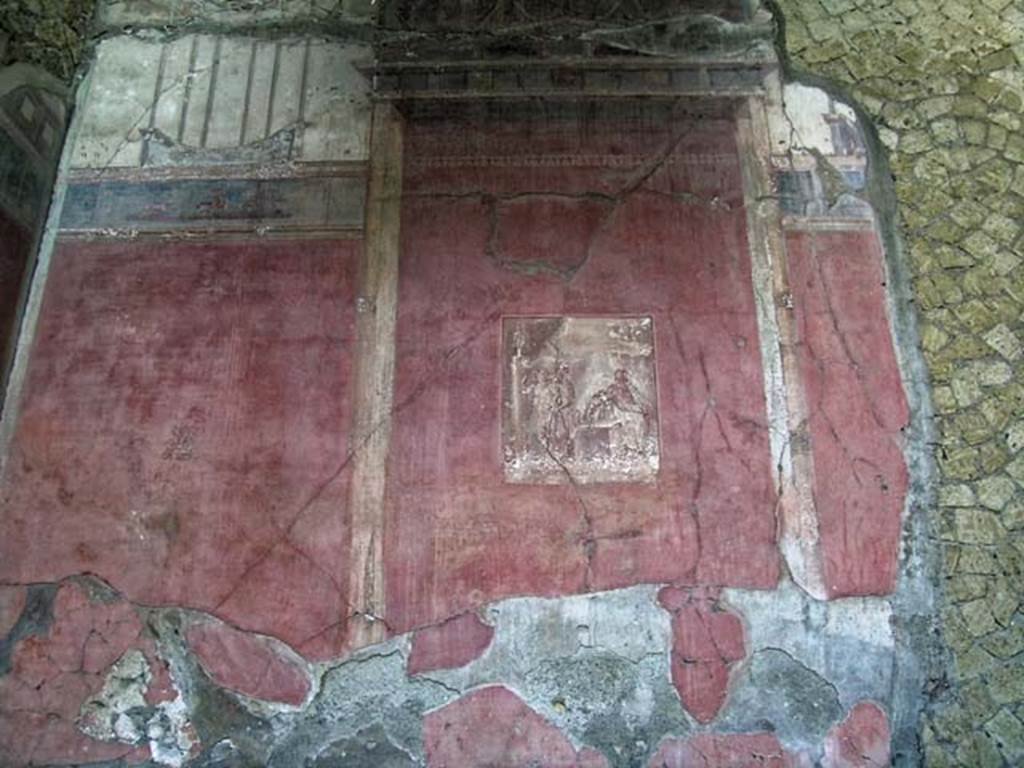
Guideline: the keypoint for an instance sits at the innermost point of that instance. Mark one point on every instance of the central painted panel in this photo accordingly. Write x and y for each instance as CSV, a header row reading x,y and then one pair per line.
x,y
579,398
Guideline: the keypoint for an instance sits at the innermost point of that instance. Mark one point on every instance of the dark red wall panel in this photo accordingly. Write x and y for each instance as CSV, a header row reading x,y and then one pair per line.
x,y
856,404
183,430
566,217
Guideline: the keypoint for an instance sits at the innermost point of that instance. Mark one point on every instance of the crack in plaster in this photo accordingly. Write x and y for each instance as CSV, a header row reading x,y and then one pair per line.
x,y
396,408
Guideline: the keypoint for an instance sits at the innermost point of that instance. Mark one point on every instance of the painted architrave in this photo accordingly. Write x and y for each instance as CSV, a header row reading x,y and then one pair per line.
x,y
318,198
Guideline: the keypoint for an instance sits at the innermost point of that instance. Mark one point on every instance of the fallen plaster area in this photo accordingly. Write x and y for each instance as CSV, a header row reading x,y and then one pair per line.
x,y
120,712
589,676
596,668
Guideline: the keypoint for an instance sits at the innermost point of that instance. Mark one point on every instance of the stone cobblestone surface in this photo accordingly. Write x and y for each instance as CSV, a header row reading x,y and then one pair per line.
x,y
944,84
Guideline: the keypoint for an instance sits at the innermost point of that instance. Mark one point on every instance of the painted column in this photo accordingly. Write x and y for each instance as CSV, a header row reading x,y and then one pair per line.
x,y
377,310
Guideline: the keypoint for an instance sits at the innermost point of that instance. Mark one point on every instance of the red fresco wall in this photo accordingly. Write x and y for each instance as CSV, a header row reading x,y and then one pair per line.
x,y
567,217
856,404
183,431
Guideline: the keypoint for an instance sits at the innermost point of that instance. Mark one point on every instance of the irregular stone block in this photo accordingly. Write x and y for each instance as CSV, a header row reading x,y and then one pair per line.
x,y
1008,733
1004,341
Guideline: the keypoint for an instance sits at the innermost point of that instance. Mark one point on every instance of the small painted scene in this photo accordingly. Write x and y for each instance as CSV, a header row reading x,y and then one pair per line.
x,y
455,385
580,402
820,156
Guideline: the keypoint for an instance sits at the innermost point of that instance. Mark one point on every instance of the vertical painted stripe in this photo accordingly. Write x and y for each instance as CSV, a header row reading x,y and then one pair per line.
x,y
190,75
375,373
210,92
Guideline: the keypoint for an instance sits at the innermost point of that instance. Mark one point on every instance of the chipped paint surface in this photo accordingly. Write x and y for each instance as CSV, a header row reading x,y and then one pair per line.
x,y
590,674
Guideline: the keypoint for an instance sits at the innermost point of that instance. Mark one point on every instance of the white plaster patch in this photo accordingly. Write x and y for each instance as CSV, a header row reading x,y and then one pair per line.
x,y
547,649
781,619
862,618
104,716
597,667
627,622
120,99
336,106
170,737
119,712
802,121
566,657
